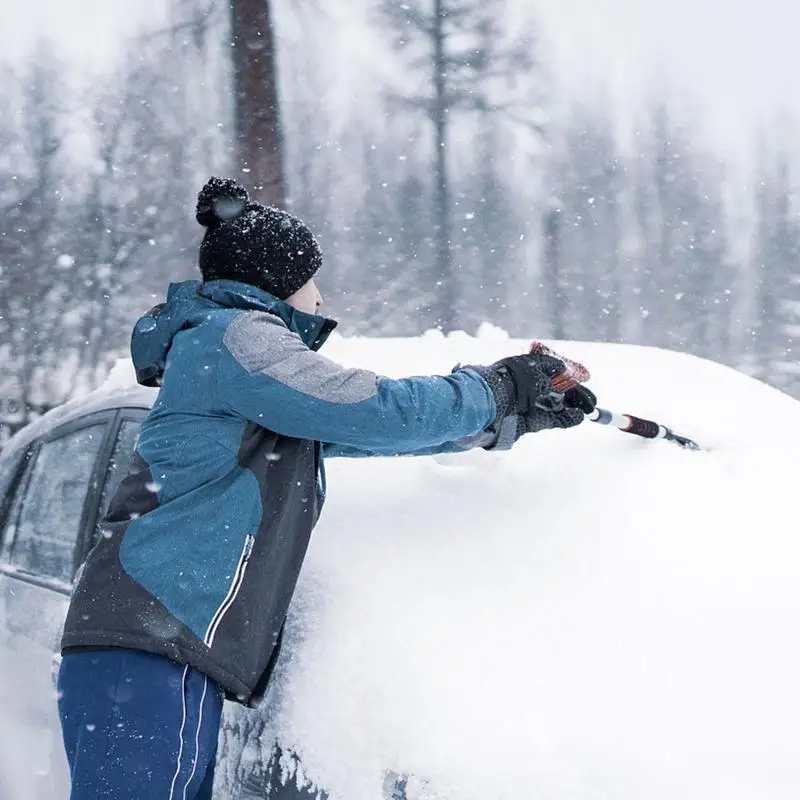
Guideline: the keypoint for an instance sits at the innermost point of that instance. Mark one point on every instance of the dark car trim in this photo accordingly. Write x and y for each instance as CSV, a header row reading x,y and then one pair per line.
x,y
16,465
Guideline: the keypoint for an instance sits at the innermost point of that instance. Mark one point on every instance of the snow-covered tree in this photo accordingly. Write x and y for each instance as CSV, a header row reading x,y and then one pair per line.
x,y
459,60
587,178
776,265
684,269
34,227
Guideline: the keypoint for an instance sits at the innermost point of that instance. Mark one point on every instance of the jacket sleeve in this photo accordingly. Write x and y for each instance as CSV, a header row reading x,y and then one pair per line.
x,y
268,376
481,439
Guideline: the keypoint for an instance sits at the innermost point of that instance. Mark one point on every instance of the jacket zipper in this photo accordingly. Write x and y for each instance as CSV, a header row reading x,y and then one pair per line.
x,y
230,597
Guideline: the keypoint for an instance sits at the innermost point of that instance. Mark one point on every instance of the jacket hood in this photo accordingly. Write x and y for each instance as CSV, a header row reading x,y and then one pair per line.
x,y
189,304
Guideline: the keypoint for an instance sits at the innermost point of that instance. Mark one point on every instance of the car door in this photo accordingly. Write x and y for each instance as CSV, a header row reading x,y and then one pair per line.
x,y
64,484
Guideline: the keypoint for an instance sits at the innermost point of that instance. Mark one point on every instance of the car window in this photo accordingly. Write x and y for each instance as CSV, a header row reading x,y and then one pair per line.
x,y
44,520
118,466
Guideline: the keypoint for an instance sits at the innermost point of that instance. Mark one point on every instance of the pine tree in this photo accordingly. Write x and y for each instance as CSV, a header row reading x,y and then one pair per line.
x,y
684,268
777,267
461,59
587,177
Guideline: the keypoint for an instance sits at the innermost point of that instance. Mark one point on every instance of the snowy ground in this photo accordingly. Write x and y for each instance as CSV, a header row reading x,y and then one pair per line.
x,y
589,616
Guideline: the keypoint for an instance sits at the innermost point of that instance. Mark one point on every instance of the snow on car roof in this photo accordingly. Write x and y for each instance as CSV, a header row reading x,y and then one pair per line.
x,y
591,615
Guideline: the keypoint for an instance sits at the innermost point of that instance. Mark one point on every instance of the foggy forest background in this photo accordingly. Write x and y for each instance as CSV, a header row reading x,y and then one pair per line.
x,y
537,214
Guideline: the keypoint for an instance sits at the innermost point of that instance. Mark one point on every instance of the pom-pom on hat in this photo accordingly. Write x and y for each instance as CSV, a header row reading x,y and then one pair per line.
x,y
248,242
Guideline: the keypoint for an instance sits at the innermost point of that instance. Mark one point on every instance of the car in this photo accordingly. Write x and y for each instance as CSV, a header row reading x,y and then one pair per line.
x,y
591,612
57,476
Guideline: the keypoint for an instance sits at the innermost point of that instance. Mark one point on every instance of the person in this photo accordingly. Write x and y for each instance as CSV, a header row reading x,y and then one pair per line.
x,y
182,600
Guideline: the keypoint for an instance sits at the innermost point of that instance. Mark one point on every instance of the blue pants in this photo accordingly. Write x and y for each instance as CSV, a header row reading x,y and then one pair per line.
x,y
136,725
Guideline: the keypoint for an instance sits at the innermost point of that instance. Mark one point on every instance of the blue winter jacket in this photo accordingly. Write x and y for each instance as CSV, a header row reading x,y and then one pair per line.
x,y
204,540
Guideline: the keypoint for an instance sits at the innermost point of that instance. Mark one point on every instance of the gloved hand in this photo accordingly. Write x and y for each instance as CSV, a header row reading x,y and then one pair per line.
x,y
521,385
580,397
567,384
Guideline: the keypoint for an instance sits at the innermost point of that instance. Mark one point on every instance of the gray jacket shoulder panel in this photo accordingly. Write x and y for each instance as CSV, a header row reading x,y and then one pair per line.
x,y
261,343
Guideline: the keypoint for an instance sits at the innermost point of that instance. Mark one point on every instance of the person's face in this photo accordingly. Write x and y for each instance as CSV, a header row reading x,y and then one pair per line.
x,y
307,298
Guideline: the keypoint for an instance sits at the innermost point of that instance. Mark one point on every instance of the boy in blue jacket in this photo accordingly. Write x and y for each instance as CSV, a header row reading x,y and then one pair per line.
x,y
182,601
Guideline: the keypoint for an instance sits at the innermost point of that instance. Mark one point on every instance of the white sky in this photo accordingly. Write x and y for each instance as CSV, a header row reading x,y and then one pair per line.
x,y
738,58
86,32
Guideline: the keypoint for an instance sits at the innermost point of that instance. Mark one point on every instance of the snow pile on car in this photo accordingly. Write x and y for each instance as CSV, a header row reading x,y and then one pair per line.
x,y
589,616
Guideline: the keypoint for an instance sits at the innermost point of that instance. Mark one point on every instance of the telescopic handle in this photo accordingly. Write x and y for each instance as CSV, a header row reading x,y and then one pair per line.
x,y
628,423
645,428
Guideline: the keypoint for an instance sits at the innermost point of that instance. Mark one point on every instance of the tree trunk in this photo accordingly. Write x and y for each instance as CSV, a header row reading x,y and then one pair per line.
x,y
259,151
444,258
552,278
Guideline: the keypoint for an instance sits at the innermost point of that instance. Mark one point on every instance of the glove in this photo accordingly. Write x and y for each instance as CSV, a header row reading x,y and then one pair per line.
x,y
580,397
521,385
567,384
574,397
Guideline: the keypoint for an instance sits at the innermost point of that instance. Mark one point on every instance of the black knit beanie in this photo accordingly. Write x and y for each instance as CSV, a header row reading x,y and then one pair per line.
x,y
251,243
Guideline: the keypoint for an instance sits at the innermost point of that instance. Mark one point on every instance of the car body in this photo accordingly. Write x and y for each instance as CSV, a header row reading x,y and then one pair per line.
x,y
590,612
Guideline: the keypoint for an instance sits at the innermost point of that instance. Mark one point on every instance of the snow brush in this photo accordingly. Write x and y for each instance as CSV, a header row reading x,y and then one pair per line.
x,y
576,373
645,428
